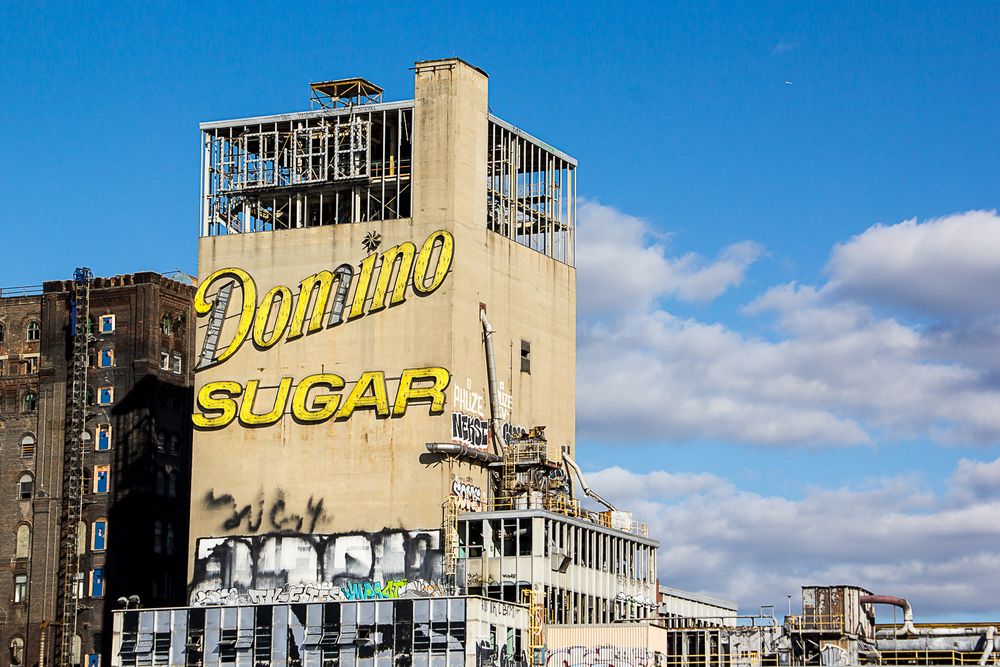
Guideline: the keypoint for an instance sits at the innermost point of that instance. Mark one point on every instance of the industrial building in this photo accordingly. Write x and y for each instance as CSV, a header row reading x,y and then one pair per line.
x,y
94,446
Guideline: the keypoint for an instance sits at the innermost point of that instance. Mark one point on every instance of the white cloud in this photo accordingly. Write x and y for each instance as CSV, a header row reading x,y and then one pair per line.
x,y
946,266
837,372
623,266
890,536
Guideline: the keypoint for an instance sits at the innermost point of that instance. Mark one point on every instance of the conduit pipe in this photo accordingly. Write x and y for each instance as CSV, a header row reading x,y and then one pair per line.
x,y
456,449
583,483
491,380
989,633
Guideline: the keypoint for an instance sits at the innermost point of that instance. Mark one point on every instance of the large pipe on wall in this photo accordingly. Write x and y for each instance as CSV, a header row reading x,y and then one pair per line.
x,y
989,633
491,379
456,449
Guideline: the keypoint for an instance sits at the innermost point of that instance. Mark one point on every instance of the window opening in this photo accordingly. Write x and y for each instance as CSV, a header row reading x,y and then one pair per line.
x,y
30,401
97,582
107,359
103,437
107,324
99,539
164,360
34,331
20,588
525,356
22,541
105,395
177,365
101,478
26,486
28,447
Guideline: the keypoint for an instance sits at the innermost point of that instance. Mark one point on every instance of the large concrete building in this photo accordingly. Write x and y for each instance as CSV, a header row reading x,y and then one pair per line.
x,y
94,447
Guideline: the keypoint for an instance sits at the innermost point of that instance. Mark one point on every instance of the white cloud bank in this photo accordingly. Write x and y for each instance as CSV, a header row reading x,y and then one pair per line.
x,y
838,372
891,536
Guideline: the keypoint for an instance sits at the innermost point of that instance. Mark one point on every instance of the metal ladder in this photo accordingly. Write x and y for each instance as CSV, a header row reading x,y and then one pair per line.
x,y
73,467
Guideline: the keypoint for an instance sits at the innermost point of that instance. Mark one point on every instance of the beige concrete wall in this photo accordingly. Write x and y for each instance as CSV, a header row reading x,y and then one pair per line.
x,y
366,473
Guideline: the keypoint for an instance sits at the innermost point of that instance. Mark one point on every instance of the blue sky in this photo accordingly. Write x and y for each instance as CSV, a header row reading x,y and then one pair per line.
x,y
745,151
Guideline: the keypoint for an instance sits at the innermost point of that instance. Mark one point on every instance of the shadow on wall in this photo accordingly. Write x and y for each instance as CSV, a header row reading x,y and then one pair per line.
x,y
391,562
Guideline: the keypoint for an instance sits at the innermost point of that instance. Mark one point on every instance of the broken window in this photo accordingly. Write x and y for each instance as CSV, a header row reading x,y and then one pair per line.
x,y
30,365
177,363
34,331
107,324
525,356
25,486
30,401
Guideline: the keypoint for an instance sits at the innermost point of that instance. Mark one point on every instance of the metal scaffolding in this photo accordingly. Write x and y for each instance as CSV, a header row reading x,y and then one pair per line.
x,y
73,472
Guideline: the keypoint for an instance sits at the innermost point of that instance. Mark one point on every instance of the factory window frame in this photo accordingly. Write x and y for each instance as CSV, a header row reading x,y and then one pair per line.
x,y
103,437
16,651
164,360
97,582
99,535
165,325
106,358
525,357
22,541
102,474
105,395
20,588
28,443
81,591
177,364
107,324
34,331
30,403
25,486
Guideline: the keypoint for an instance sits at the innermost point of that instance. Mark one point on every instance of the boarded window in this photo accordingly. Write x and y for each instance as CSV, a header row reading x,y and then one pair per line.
x,y
28,447
101,478
22,542
97,582
103,437
107,324
99,538
105,395
107,358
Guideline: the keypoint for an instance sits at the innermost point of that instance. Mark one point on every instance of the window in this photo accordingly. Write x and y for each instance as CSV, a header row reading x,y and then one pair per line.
x,y
78,581
105,395
94,659
28,446
172,484
177,363
158,537
101,475
30,365
26,486
20,588
30,401
16,651
170,539
34,331
164,360
525,356
97,582
107,324
99,536
165,325
90,395
174,445
107,358
103,437
3,331
161,482
22,541
161,440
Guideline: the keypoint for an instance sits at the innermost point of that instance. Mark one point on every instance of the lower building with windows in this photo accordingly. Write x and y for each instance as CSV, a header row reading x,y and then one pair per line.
x,y
94,458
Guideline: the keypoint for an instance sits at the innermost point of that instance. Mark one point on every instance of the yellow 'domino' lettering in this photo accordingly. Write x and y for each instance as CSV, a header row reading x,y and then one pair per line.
x,y
284,297
247,416
361,291
323,281
249,290
323,405
404,252
208,402
443,262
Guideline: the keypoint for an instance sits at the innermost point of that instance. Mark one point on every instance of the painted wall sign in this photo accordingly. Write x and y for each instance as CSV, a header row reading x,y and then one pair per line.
x,y
323,301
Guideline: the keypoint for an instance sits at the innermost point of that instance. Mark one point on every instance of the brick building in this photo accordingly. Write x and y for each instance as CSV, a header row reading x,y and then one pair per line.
x,y
132,496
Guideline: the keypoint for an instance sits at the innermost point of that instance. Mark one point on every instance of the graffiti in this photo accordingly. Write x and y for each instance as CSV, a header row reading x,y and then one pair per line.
x,y
324,591
470,496
470,430
505,401
470,402
219,408
639,599
410,268
602,656
279,519
278,561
